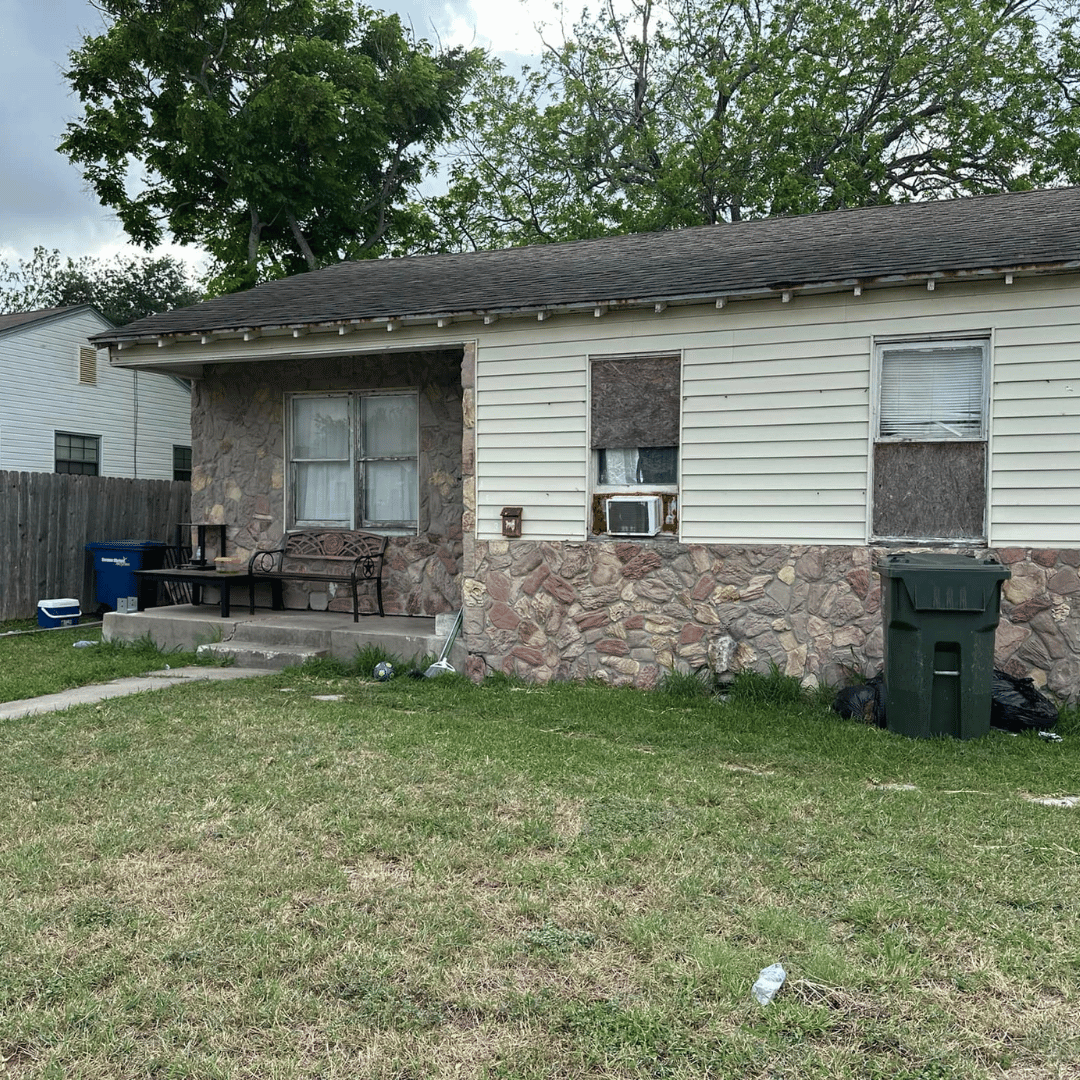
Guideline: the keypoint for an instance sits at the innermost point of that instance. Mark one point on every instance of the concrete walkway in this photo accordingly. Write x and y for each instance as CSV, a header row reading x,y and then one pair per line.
x,y
137,684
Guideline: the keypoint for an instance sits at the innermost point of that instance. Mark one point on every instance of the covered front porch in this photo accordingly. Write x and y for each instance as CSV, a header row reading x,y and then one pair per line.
x,y
276,639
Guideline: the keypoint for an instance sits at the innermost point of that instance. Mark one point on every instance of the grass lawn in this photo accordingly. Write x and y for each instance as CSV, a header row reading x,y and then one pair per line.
x,y
33,664
315,875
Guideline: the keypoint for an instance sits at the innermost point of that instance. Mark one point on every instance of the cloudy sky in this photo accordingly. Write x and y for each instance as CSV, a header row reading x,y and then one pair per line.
x,y
43,199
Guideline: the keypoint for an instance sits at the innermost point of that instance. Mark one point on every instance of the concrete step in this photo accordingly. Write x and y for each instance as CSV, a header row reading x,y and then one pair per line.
x,y
252,655
305,637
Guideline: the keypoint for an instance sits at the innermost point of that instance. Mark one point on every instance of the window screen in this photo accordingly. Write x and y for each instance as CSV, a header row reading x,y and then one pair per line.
x,y
322,461
389,459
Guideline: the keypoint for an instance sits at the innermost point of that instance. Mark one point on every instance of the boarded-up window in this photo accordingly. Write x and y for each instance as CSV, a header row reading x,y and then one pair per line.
x,y
87,365
635,420
930,448
635,401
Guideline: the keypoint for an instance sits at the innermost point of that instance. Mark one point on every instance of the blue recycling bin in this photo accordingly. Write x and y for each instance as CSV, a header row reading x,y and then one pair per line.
x,y
115,563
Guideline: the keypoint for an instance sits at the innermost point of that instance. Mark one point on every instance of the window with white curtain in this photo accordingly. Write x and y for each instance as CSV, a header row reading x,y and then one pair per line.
x,y
930,440
353,460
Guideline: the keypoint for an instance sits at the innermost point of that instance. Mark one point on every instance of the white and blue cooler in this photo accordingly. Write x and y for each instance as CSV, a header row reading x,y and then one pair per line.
x,y
61,612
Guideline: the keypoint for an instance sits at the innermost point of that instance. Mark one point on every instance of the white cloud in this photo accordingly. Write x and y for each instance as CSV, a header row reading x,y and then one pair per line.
x,y
503,26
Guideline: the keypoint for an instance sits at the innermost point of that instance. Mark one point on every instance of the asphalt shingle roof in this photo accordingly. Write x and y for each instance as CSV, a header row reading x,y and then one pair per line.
x,y
24,318
1036,229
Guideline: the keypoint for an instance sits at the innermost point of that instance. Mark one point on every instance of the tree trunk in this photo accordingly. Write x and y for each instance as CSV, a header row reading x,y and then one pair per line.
x,y
301,242
253,238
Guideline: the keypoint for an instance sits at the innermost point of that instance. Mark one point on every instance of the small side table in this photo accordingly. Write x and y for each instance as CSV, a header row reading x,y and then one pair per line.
x,y
198,578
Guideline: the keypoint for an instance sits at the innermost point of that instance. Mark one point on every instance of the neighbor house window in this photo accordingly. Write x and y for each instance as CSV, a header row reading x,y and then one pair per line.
x,y
181,462
930,442
78,453
354,461
634,424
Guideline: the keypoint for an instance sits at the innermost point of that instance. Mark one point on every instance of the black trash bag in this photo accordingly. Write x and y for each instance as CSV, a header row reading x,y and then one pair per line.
x,y
1016,705
865,702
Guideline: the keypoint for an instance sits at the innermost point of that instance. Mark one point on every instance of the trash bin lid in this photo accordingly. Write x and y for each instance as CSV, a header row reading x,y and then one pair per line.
x,y
105,545
946,582
905,563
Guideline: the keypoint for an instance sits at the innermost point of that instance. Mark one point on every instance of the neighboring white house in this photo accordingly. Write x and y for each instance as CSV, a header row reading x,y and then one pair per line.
x,y
64,408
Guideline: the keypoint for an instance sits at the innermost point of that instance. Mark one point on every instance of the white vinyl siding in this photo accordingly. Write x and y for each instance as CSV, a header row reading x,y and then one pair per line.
x,y
776,439
1035,425
140,416
531,450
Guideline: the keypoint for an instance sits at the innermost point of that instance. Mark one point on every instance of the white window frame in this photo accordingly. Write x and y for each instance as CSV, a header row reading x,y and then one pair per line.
x,y
190,463
356,518
985,340
930,344
95,439
645,487
634,489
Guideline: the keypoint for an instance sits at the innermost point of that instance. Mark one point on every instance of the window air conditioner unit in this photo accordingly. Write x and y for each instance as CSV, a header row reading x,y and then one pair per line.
x,y
633,515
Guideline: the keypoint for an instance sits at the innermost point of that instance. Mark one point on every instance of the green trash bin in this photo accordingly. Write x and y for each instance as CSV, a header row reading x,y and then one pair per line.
x,y
940,613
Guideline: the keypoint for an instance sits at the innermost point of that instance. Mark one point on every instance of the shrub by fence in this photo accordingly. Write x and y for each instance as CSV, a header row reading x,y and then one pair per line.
x,y
47,519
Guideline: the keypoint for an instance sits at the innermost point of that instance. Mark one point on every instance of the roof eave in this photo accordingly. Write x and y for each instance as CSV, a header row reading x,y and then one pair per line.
x,y
783,290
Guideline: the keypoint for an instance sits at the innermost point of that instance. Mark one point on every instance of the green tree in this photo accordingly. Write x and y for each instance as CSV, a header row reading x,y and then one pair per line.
x,y
122,289
655,115
280,136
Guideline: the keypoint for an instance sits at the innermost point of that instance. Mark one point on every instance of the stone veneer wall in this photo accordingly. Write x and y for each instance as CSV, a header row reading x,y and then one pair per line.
x,y
238,478
626,612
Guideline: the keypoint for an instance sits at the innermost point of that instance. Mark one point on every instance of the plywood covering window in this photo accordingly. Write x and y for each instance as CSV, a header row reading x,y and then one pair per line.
x,y
634,424
930,442
353,460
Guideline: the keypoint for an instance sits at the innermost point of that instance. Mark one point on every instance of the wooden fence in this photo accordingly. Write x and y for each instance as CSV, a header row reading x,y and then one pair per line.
x,y
47,519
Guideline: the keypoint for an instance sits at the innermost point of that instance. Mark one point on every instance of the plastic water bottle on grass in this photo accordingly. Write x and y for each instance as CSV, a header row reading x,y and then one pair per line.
x,y
768,982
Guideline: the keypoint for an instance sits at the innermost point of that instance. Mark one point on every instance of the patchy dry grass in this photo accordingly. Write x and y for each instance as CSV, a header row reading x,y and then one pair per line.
x,y
34,663
426,879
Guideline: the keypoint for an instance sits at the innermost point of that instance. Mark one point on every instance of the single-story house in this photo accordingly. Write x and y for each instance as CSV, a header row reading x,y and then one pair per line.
x,y
61,410
675,449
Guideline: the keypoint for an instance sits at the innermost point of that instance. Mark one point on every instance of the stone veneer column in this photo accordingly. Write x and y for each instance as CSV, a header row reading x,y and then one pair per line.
x,y
475,668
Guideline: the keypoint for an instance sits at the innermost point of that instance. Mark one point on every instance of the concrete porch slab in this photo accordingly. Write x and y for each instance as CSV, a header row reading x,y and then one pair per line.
x,y
328,633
